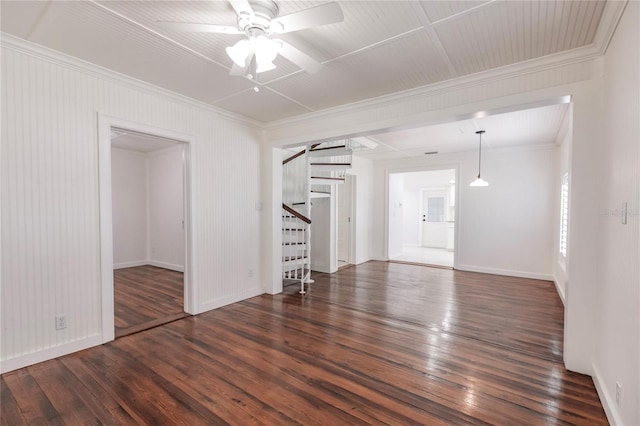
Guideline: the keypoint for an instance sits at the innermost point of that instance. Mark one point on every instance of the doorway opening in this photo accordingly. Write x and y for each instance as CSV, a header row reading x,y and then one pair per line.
x,y
148,205
422,217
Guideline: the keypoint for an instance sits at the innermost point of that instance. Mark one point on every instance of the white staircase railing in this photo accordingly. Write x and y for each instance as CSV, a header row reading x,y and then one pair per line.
x,y
308,173
296,261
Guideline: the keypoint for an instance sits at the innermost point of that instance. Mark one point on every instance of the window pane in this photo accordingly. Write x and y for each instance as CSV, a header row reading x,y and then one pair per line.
x,y
435,209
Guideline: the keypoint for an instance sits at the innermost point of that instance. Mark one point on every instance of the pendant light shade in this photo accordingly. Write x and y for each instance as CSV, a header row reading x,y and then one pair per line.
x,y
239,52
479,181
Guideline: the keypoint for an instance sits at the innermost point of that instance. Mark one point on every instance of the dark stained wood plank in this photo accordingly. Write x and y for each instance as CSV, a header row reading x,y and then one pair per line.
x,y
33,403
9,410
145,297
378,343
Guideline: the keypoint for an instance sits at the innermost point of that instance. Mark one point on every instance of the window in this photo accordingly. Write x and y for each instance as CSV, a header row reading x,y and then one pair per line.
x,y
564,214
435,209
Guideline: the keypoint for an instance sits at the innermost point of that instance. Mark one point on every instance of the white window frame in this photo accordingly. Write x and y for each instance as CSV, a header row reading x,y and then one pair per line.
x,y
564,214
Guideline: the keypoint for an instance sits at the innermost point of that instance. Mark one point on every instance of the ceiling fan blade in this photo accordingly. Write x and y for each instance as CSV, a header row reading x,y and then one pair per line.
x,y
324,14
299,58
241,6
199,28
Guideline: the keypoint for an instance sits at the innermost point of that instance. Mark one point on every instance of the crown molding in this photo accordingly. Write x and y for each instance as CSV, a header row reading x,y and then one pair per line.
x,y
610,17
41,52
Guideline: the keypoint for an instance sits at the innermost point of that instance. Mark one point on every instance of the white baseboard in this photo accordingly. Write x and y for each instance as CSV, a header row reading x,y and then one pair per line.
x,y
130,264
227,300
608,403
559,289
394,255
164,265
507,272
320,267
49,353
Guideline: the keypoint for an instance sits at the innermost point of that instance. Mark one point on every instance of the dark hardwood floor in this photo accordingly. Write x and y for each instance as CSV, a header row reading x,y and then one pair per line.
x,y
145,297
378,343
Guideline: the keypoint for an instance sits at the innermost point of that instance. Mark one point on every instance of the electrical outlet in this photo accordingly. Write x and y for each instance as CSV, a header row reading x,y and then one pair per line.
x,y
250,273
618,394
61,322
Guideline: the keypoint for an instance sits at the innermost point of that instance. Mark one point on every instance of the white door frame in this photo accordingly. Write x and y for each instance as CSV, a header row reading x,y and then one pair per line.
x,y
105,123
426,168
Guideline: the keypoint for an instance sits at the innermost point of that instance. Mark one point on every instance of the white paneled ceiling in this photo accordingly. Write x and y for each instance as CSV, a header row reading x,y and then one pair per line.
x,y
381,47
531,127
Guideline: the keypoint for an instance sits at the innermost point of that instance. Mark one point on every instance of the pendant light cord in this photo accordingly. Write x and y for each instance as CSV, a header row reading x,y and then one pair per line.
x,y
480,155
480,132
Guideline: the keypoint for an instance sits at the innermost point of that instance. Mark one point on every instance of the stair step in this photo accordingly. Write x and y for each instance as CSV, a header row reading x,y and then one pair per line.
x,y
321,180
320,194
329,166
330,151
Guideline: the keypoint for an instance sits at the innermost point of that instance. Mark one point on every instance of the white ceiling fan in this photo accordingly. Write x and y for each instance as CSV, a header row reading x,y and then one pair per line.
x,y
258,20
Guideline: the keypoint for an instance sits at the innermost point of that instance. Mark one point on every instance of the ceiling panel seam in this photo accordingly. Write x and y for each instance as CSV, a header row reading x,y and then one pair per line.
x,y
462,13
290,99
38,21
433,36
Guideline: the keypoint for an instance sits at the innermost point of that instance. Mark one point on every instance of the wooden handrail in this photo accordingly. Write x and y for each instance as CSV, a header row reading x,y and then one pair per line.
x,y
296,214
298,154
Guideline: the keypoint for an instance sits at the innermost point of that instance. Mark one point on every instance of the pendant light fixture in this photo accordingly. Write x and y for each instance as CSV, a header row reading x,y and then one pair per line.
x,y
479,181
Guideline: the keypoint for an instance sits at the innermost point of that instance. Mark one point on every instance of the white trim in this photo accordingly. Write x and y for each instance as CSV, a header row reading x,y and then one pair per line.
x,y
559,289
131,264
320,267
608,403
506,272
105,123
49,353
169,266
233,298
20,45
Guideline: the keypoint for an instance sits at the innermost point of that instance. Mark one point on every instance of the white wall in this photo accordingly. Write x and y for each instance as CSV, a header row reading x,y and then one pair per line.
x,y
617,308
50,200
166,208
363,169
505,228
129,195
323,232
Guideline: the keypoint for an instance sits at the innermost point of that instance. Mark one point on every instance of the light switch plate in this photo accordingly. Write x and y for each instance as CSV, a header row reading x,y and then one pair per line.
x,y
624,214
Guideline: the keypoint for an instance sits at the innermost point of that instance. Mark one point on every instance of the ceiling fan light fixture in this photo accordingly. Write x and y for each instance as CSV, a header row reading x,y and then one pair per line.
x,y
239,52
266,52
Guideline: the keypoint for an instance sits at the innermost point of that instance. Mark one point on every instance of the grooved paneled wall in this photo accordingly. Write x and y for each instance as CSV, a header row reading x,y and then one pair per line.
x,y
50,198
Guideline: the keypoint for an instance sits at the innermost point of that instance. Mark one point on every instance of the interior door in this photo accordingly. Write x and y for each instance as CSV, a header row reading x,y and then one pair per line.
x,y
344,218
433,217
